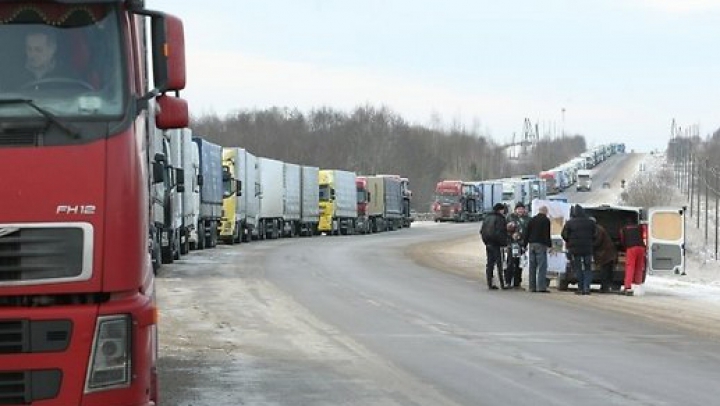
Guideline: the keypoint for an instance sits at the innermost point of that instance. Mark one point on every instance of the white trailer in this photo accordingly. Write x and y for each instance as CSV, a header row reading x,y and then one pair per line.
x,y
492,192
310,200
249,195
292,195
270,172
190,160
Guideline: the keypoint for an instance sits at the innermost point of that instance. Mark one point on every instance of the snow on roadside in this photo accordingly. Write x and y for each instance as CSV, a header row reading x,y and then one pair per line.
x,y
702,279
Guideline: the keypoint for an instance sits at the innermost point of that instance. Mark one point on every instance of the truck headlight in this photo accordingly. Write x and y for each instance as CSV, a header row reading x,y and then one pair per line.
x,y
110,361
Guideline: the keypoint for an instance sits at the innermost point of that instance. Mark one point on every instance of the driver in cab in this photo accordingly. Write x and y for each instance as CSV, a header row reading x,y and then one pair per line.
x,y
41,64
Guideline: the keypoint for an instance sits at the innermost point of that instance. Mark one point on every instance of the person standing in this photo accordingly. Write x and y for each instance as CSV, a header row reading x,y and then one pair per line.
x,y
578,234
631,237
494,235
539,241
604,256
517,235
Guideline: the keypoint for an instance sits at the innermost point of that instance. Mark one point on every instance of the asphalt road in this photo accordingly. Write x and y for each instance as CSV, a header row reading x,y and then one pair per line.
x,y
354,321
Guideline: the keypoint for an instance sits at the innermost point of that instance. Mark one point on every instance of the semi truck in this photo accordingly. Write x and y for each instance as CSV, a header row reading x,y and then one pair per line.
x,y
78,316
211,192
407,217
190,158
369,204
166,194
338,201
458,201
230,228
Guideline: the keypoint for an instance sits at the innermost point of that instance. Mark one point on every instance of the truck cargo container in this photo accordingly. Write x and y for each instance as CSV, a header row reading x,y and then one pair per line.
x,y
191,192
292,199
310,207
211,192
392,202
370,204
270,175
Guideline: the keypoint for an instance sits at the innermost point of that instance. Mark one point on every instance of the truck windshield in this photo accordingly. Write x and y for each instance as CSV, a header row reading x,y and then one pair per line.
x,y
447,198
325,193
66,58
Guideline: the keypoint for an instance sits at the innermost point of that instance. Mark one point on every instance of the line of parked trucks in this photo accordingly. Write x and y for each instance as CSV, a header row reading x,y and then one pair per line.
x,y
460,201
204,193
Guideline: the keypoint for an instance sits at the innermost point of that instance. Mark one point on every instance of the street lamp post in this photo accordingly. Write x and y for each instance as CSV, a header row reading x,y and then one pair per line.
x,y
563,122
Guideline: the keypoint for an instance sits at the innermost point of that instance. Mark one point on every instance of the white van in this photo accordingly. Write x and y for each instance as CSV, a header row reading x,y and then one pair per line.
x,y
584,180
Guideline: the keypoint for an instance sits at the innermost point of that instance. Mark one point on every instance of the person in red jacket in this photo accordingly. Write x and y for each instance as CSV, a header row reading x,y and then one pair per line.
x,y
632,238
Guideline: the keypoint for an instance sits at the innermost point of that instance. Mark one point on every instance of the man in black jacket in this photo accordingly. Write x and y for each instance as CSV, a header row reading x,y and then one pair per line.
x,y
538,238
494,234
579,234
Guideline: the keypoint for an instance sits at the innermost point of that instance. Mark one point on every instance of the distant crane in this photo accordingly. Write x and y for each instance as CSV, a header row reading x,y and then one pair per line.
x,y
530,138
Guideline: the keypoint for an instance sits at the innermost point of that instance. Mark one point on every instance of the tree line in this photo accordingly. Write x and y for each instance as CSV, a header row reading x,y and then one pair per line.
x,y
370,140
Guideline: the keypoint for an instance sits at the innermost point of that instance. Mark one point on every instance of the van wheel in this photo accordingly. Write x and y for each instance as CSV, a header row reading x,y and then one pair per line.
x,y
562,283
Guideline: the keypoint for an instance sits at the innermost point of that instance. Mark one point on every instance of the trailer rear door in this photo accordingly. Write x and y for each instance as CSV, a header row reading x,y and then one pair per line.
x,y
666,239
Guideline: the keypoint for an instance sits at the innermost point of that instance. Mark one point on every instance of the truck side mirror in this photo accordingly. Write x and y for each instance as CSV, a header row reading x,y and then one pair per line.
x,y
238,188
168,38
200,180
172,113
180,176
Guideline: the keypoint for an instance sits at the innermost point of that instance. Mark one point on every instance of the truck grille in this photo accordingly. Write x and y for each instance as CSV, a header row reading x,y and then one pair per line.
x,y
37,252
24,387
33,336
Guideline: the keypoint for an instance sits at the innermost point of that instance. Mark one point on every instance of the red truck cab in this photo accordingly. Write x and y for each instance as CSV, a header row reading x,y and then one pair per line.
x,y
77,295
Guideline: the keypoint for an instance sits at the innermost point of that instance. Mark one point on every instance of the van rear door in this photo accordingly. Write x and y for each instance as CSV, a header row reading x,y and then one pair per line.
x,y
666,239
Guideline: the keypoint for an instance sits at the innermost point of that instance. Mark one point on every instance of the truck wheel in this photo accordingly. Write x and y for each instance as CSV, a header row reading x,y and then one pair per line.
x,y
201,236
167,252
176,247
184,242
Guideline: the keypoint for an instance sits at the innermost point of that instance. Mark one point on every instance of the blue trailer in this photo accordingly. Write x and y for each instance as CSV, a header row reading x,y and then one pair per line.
x,y
211,192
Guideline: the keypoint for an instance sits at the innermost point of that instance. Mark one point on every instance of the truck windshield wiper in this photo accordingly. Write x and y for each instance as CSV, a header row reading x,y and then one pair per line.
x,y
71,131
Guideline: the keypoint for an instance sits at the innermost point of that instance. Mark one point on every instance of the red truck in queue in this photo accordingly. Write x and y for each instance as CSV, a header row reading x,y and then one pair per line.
x,y
457,201
78,316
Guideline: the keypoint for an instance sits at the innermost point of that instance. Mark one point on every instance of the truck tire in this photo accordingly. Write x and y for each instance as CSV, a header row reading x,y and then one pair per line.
x,y
184,242
201,236
167,252
176,247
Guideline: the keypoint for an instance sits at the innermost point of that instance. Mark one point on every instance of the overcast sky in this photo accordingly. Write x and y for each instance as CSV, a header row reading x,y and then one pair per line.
x,y
621,69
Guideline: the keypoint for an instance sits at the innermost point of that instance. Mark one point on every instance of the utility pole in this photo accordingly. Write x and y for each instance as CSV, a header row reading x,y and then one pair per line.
x,y
563,122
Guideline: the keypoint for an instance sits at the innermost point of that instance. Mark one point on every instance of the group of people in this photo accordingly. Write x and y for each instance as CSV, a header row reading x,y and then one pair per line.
x,y
586,243
515,234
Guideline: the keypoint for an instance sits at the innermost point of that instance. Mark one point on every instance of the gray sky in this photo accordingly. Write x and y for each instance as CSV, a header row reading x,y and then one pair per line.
x,y
621,69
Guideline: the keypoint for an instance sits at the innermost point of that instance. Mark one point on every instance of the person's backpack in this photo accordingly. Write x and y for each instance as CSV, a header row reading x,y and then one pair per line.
x,y
487,231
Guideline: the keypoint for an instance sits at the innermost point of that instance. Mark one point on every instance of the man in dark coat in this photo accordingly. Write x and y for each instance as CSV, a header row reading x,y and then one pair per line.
x,y
604,256
494,234
579,234
538,238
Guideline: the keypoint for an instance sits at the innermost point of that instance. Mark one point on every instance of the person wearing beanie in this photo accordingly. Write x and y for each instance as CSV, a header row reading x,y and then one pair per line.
x,y
518,243
494,235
